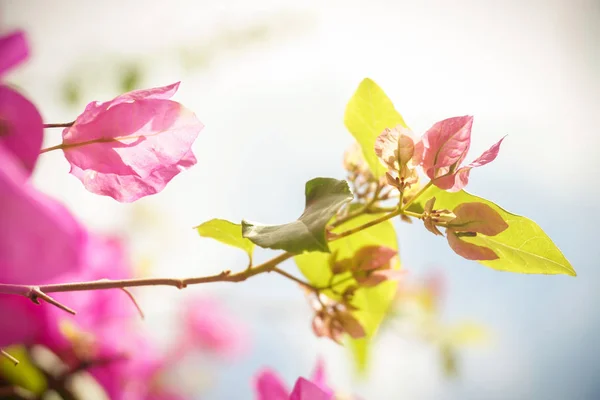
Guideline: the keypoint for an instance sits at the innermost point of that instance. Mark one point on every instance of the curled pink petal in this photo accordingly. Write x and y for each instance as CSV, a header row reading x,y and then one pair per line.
x,y
13,50
460,179
21,127
39,238
133,146
443,149
488,156
446,143
269,386
93,109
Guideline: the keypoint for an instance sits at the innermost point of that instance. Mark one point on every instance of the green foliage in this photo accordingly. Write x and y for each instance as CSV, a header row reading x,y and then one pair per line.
x,y
226,232
25,374
130,78
368,113
324,197
372,302
522,248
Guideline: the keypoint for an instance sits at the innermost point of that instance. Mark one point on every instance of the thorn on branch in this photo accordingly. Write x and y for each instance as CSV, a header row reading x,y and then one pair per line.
x,y
9,357
35,294
135,303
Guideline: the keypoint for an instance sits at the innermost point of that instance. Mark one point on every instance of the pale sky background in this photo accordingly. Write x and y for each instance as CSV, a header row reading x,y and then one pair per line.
x,y
273,110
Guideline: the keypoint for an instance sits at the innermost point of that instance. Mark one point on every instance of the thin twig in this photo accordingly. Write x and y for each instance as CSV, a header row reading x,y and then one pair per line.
x,y
9,357
40,292
416,196
60,125
293,278
134,301
369,224
132,298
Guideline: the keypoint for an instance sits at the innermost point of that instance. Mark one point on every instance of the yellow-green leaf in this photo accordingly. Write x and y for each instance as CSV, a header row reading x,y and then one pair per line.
x,y
522,248
226,232
25,374
373,302
368,113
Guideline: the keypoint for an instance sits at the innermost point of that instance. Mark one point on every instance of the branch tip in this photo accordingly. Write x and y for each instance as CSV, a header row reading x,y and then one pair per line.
x,y
9,357
134,301
35,294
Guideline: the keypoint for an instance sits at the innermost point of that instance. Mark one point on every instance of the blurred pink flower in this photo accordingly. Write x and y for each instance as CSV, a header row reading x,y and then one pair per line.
x,y
21,321
269,386
21,126
39,238
445,146
132,146
103,335
13,50
103,258
209,327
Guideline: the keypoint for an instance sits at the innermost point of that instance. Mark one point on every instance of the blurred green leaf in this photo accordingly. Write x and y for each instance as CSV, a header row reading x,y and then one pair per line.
x,y
522,248
466,334
449,361
71,93
226,232
131,78
324,197
368,113
373,302
25,374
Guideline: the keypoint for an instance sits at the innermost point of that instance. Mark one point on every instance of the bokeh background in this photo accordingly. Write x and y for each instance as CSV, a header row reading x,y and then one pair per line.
x,y
270,80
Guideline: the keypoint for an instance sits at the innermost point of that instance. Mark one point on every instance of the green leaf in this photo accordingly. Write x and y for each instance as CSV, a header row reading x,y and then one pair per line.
x,y
226,232
373,302
324,197
368,113
522,248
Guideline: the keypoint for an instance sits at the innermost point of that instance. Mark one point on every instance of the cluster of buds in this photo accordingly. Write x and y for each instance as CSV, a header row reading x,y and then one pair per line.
x,y
368,267
400,151
334,318
432,218
467,220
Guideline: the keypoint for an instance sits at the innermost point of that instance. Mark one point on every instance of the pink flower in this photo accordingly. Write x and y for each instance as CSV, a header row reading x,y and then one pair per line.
x,y
132,146
209,327
103,334
39,238
21,126
269,386
13,50
445,146
21,321
103,258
